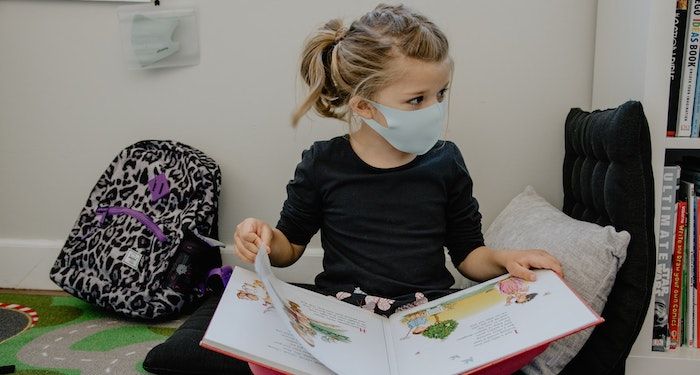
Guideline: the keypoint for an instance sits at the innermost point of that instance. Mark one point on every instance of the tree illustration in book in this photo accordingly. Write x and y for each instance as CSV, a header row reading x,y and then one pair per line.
x,y
307,328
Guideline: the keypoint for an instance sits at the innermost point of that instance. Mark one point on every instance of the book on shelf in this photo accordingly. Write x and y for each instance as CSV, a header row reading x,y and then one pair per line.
x,y
692,287
664,264
264,320
696,279
674,320
689,71
687,195
694,30
690,172
679,30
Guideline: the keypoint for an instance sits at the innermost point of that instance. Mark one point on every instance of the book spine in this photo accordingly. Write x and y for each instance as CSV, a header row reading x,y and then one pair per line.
x,y
692,283
676,278
690,58
664,263
683,337
679,29
696,283
695,122
692,303
689,270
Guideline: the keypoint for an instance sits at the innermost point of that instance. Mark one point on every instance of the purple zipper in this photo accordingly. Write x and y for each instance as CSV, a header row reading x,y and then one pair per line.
x,y
144,219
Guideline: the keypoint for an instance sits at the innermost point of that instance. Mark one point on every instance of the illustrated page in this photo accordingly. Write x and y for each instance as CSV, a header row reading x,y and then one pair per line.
x,y
346,338
485,323
246,324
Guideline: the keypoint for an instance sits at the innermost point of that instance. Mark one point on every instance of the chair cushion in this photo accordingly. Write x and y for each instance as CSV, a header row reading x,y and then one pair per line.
x,y
590,255
608,180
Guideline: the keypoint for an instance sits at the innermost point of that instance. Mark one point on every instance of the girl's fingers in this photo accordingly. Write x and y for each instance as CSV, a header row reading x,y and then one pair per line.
x,y
518,270
547,262
252,238
541,260
246,249
266,237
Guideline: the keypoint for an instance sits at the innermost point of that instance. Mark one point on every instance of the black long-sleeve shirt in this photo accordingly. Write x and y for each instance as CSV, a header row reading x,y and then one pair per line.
x,y
383,229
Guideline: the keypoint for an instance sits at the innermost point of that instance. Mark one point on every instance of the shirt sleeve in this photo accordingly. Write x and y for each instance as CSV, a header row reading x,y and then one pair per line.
x,y
463,216
301,213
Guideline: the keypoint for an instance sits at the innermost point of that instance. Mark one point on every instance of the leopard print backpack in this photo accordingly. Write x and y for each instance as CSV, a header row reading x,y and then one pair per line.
x,y
145,240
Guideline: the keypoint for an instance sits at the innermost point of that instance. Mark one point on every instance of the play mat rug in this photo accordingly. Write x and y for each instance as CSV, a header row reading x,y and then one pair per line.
x,y
60,334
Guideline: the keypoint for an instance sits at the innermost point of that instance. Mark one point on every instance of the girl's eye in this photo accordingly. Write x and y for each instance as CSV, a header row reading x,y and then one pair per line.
x,y
415,101
441,94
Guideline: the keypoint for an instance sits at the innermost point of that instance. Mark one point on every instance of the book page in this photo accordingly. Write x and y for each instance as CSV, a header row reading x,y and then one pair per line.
x,y
245,325
345,338
477,326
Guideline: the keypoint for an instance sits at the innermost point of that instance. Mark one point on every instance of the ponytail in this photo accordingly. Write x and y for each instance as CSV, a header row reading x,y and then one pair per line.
x,y
318,60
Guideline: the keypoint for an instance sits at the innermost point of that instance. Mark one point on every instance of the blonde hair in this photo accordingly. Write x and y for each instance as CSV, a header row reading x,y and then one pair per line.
x,y
338,63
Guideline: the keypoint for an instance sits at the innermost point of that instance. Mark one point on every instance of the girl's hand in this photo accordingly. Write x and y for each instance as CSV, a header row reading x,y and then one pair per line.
x,y
519,262
250,234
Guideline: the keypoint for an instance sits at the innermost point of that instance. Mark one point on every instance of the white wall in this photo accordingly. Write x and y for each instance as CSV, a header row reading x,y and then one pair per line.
x,y
68,103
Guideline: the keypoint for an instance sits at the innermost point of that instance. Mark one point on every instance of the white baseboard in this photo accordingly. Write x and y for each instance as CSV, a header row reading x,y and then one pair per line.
x,y
25,264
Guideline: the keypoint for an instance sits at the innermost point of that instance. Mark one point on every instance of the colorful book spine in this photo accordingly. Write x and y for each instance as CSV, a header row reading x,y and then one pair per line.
x,y
690,58
688,195
692,303
679,29
692,278
683,340
677,275
664,264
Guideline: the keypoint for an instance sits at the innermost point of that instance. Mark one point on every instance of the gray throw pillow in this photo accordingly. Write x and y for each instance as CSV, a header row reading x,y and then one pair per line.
x,y
590,256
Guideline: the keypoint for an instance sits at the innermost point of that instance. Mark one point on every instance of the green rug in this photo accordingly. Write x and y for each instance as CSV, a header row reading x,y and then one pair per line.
x,y
51,335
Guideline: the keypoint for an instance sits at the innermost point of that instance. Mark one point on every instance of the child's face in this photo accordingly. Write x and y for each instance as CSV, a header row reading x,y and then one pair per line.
x,y
419,84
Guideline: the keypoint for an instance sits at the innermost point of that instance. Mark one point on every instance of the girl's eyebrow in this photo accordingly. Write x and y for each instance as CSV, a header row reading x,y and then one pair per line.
x,y
421,92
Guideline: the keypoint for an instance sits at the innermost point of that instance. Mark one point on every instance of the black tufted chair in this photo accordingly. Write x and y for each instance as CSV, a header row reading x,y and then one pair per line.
x,y
608,180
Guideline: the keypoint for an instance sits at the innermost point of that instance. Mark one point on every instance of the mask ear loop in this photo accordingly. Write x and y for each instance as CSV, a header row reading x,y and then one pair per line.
x,y
355,122
449,98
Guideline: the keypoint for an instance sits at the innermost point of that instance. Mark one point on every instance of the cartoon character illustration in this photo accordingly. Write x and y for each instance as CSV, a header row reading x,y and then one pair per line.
x,y
417,323
242,294
515,288
253,292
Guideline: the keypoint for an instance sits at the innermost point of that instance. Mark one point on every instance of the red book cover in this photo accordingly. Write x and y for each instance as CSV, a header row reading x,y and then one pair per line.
x,y
677,273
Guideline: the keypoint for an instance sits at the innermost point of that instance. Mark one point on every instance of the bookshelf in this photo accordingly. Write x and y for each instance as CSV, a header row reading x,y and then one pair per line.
x,y
632,62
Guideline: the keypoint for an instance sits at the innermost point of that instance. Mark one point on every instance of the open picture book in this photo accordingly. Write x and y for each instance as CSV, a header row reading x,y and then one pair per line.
x,y
264,320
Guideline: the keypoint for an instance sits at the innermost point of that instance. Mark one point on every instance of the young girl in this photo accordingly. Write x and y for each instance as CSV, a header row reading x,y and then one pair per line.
x,y
389,196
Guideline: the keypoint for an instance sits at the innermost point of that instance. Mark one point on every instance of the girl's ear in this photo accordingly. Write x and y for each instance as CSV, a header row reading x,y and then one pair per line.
x,y
361,107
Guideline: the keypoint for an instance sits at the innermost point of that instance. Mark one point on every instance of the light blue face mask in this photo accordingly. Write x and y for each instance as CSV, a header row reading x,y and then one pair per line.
x,y
151,38
414,132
